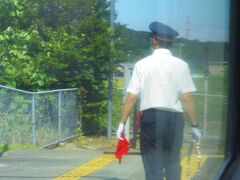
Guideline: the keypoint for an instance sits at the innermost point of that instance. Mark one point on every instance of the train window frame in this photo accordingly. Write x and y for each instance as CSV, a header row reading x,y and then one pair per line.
x,y
230,168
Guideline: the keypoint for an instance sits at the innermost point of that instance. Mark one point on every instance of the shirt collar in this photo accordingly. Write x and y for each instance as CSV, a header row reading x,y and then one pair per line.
x,y
162,51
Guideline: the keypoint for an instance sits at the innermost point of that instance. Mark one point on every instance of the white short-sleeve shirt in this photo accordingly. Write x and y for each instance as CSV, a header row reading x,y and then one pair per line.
x,y
160,79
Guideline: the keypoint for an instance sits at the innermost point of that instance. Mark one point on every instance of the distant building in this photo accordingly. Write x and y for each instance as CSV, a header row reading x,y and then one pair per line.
x,y
122,66
217,68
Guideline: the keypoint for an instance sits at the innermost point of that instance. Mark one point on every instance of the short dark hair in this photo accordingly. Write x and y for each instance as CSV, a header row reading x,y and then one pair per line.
x,y
163,43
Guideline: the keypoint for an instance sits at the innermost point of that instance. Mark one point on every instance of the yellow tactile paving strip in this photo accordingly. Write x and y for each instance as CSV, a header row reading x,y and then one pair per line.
x,y
95,164
87,167
194,164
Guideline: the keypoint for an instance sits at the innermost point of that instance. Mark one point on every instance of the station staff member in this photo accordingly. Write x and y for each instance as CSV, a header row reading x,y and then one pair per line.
x,y
164,84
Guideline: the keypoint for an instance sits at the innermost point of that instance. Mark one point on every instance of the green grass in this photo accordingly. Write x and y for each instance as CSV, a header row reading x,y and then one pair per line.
x,y
18,146
217,85
216,106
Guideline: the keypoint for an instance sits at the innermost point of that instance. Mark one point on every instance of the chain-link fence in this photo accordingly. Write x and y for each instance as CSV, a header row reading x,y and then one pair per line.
x,y
37,118
210,101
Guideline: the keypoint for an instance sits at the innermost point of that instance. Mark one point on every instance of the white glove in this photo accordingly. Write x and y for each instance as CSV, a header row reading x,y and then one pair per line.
x,y
196,134
120,131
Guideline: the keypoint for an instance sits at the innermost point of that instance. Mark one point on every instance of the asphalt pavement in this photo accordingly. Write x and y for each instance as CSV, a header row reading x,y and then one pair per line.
x,y
46,164
95,164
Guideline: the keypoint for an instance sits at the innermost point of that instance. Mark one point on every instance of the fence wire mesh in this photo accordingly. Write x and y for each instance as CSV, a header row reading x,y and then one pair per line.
x,y
40,118
210,104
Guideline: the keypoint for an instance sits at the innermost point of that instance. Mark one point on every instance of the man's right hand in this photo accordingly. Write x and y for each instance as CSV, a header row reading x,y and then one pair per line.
x,y
120,131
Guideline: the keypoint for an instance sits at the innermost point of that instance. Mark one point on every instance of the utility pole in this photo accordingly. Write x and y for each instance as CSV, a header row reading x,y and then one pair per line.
x,y
180,45
110,83
206,74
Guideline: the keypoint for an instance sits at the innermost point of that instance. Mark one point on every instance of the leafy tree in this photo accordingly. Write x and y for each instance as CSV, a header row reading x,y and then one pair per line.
x,y
46,44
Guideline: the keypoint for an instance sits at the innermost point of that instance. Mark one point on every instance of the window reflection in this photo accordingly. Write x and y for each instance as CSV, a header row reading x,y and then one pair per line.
x,y
203,44
58,44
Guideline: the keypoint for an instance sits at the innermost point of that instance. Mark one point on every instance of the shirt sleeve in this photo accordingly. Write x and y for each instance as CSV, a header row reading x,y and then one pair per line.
x,y
187,84
135,81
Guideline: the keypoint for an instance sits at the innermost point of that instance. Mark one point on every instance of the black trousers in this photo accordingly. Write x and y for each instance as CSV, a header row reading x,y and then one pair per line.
x,y
160,144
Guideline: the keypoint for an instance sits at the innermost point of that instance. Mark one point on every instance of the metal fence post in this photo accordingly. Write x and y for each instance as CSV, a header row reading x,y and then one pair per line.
x,y
33,121
41,119
206,73
59,115
127,76
110,90
205,110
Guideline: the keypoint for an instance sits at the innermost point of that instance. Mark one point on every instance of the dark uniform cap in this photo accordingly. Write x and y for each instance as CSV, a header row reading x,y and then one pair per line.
x,y
163,31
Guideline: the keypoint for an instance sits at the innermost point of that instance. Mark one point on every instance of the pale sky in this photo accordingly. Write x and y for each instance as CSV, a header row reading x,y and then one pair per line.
x,y
205,20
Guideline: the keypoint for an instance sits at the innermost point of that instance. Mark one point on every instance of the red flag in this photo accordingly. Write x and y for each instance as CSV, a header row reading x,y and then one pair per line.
x,y
122,148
